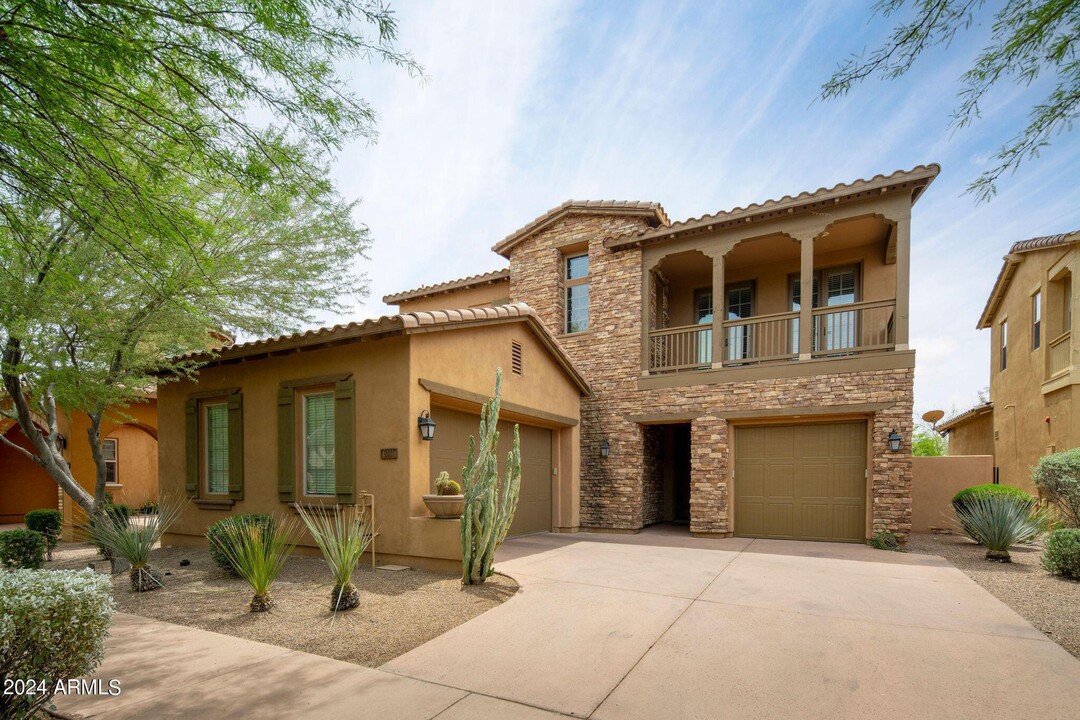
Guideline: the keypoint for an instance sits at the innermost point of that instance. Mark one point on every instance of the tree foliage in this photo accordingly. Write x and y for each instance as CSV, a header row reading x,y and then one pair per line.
x,y
1029,39
927,442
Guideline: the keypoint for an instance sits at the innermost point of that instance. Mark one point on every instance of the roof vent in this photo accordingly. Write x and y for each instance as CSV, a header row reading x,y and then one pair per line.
x,y
515,357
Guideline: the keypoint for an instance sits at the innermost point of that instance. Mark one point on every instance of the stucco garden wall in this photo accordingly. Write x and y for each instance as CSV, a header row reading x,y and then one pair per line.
x,y
934,481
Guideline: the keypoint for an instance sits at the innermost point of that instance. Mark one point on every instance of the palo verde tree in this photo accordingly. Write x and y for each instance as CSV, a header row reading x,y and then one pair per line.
x,y
1030,39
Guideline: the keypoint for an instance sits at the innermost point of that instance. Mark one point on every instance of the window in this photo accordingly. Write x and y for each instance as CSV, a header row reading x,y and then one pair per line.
x,y
740,301
577,293
318,450
108,449
1004,339
216,448
1036,320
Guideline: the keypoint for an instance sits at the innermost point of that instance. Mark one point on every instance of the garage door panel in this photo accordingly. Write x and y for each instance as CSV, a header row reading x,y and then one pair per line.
x,y
809,483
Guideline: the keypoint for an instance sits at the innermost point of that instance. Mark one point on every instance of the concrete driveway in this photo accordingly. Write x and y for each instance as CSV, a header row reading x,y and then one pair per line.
x,y
661,625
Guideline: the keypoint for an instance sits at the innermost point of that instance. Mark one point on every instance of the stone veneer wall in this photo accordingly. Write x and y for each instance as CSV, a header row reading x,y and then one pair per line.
x,y
652,492
613,489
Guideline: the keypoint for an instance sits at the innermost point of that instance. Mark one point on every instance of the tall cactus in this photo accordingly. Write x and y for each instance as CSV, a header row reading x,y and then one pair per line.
x,y
489,503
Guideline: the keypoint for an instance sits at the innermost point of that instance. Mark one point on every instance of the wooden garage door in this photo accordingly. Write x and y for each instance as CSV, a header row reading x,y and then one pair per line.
x,y
450,449
805,482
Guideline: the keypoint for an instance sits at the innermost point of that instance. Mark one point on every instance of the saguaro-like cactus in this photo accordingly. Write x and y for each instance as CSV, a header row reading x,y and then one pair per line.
x,y
489,503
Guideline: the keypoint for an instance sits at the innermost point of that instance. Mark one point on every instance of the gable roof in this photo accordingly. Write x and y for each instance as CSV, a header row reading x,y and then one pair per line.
x,y
954,422
391,326
1008,269
653,211
917,179
488,278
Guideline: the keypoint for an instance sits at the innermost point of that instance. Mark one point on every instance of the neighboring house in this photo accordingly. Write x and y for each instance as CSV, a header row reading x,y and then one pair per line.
x,y
129,441
971,432
722,396
331,416
1034,360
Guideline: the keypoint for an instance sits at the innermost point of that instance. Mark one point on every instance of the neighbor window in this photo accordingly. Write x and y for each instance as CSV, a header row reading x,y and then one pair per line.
x,y
577,293
1036,320
318,435
216,444
1004,342
108,449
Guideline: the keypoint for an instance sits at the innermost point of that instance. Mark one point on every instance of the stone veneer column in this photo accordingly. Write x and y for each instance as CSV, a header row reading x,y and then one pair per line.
x,y
709,453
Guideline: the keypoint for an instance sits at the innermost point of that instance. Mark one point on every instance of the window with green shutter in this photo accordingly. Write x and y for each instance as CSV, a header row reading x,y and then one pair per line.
x,y
216,423
318,460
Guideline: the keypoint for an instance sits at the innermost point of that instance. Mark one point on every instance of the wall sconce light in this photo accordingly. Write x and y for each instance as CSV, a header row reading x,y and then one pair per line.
x,y
426,425
61,441
605,448
894,441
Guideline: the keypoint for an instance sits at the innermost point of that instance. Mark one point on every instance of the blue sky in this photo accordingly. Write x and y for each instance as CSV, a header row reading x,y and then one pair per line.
x,y
701,106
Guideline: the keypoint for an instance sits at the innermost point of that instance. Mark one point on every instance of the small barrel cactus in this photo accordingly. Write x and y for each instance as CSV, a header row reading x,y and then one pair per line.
x,y
445,486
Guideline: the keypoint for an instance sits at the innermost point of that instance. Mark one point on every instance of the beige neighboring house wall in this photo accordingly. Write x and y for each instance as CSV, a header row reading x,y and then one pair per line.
x,y
970,432
1035,394
485,290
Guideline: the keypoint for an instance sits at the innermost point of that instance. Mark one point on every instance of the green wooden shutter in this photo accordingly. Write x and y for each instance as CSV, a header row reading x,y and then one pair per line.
x,y
345,442
236,446
286,451
191,448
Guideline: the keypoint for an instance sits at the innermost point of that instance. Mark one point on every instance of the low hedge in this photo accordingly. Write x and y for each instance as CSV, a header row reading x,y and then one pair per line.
x,y
1061,555
217,535
962,499
22,549
48,523
53,625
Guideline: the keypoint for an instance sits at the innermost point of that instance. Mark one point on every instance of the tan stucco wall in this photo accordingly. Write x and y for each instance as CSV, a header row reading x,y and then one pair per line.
x,y
24,486
137,467
493,294
1021,409
934,481
973,437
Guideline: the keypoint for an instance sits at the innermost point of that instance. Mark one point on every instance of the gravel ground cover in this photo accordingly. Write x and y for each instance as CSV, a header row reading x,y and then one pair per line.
x,y
398,610
1052,604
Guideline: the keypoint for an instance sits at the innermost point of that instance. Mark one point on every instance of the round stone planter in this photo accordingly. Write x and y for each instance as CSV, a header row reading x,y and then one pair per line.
x,y
445,506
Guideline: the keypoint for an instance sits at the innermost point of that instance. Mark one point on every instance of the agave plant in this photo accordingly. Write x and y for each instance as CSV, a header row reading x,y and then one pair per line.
x,y
343,535
1000,521
258,553
133,541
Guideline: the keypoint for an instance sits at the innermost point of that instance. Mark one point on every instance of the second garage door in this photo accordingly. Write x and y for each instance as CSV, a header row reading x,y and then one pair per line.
x,y
805,482
450,449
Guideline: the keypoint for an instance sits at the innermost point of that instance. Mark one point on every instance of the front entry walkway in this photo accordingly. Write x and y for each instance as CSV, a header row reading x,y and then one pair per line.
x,y
657,625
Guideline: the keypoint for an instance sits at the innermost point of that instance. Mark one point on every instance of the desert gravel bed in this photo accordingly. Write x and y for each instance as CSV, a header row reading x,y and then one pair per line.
x,y
398,610
1052,604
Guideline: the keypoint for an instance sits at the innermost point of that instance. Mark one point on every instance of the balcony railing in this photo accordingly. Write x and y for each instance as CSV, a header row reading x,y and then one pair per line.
x,y
837,331
1060,351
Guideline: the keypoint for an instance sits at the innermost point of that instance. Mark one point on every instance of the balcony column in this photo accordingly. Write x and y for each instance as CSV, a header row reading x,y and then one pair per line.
x,y
719,301
903,281
806,297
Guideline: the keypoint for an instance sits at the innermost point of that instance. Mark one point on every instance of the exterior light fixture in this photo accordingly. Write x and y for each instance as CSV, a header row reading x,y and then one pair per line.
x,y
605,448
426,425
61,441
894,441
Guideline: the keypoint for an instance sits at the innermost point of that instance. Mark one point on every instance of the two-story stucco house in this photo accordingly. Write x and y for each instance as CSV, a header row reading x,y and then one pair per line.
x,y
749,370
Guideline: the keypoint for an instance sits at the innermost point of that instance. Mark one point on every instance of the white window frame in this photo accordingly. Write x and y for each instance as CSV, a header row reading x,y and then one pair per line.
x,y
115,462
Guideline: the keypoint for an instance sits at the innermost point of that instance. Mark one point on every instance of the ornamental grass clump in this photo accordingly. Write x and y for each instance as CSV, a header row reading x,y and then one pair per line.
x,y
1000,521
967,496
133,541
258,554
216,536
342,535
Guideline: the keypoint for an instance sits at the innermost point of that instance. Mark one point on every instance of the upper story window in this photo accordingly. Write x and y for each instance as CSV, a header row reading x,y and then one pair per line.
x,y
108,449
1036,320
1004,342
318,444
577,293
216,447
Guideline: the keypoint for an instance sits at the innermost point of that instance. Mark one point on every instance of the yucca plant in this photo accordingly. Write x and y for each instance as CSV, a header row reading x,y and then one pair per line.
x,y
1000,521
258,553
133,541
342,535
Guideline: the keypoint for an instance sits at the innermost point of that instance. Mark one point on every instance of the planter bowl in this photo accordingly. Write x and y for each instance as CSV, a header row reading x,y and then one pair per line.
x,y
445,506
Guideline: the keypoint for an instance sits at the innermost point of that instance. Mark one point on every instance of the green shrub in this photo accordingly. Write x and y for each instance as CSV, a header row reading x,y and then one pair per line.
x,y
217,532
48,523
120,510
1058,478
885,540
964,498
150,508
53,626
258,553
998,521
22,549
1061,555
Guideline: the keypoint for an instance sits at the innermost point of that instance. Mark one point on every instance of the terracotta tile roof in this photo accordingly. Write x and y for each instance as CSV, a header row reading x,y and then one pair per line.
x,y
919,176
977,411
391,325
488,278
1008,269
627,207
